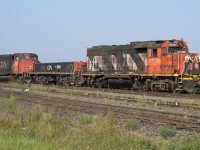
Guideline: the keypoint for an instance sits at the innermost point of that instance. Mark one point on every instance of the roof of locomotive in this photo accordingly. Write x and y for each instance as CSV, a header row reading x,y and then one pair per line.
x,y
147,44
16,54
6,55
24,53
137,44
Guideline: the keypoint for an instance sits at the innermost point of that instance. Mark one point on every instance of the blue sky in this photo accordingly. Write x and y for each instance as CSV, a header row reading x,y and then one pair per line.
x,y
61,30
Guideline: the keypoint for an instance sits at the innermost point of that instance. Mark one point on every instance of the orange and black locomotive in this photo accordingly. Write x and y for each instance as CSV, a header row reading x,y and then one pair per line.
x,y
153,65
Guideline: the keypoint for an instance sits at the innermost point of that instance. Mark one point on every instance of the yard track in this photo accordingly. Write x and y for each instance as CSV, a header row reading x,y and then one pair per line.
x,y
140,97
181,121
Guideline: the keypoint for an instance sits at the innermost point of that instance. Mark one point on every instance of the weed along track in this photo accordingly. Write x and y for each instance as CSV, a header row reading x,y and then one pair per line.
x,y
181,121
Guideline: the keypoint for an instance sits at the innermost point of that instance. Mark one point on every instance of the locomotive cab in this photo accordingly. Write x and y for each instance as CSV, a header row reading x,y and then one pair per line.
x,y
168,59
24,63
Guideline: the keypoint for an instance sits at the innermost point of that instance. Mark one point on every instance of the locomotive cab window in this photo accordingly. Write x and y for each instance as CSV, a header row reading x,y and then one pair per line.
x,y
16,58
71,67
174,50
164,51
21,57
34,57
154,53
26,56
185,50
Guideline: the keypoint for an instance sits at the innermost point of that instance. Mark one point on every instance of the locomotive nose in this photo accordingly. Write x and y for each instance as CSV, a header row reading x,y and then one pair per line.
x,y
31,65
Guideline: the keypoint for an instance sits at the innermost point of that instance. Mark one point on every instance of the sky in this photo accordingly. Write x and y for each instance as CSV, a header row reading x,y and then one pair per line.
x,y
62,30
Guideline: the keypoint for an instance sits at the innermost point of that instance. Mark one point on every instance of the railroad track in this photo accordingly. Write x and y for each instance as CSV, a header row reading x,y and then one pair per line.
x,y
137,100
181,121
124,91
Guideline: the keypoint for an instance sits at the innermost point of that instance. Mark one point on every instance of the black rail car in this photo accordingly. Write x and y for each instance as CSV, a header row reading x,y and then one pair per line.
x,y
65,67
58,72
6,64
63,73
6,67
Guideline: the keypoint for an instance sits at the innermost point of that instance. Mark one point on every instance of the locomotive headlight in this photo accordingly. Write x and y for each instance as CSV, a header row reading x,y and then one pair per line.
x,y
30,67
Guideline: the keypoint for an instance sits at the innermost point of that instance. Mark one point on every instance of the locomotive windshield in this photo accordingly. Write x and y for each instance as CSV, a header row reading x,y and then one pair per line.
x,y
34,57
174,50
28,56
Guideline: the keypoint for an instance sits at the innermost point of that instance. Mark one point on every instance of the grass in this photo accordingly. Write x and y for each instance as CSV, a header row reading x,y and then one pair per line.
x,y
132,124
166,131
38,128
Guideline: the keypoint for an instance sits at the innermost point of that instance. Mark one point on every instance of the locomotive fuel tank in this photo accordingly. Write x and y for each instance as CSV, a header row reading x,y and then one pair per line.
x,y
5,78
120,83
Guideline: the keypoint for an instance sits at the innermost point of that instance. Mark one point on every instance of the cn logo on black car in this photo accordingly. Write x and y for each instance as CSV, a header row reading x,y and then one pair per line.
x,y
49,67
3,64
